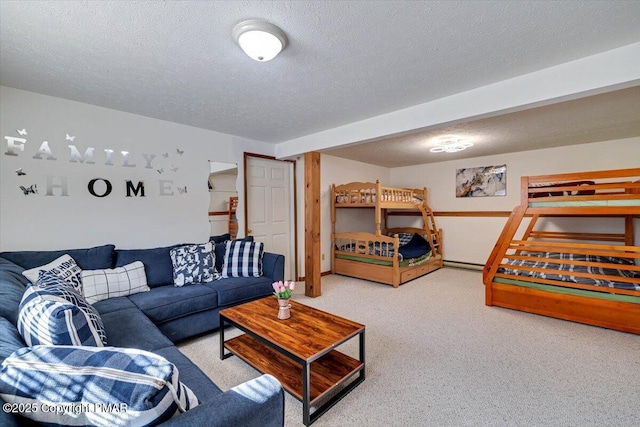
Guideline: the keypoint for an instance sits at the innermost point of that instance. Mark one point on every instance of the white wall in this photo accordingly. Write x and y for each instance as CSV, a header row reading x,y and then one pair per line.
x,y
38,221
470,239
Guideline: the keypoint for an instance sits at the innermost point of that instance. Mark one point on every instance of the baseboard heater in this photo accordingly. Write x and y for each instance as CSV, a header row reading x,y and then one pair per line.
x,y
464,265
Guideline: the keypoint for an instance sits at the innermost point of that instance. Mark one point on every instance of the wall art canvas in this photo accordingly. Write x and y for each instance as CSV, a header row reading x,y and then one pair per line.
x,y
481,182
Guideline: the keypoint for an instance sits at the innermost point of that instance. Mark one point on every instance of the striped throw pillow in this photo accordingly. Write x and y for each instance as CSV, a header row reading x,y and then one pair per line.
x,y
243,259
52,312
98,386
121,281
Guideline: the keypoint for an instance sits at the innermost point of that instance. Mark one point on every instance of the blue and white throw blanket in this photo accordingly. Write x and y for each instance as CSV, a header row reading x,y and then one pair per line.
x,y
563,270
75,385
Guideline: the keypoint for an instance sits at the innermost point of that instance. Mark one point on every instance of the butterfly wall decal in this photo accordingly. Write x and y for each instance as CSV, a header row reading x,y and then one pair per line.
x,y
21,132
160,171
20,172
33,189
174,168
182,190
179,151
165,155
70,138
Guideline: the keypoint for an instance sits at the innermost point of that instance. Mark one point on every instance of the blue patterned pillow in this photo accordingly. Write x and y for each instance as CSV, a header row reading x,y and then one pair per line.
x,y
193,264
100,386
53,312
243,259
403,238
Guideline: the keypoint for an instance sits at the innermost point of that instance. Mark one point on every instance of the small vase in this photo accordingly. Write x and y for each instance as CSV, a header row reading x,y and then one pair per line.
x,y
284,311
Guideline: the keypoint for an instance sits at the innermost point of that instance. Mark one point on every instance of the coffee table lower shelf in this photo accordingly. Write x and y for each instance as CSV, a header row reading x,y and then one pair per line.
x,y
326,373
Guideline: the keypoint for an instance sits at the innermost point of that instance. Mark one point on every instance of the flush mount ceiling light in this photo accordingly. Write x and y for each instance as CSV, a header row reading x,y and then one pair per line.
x,y
450,146
261,40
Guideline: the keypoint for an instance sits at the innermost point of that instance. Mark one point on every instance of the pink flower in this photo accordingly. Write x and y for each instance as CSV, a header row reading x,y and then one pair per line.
x,y
292,285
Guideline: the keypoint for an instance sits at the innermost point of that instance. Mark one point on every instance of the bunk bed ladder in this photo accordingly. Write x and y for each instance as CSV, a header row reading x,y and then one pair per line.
x,y
500,249
433,234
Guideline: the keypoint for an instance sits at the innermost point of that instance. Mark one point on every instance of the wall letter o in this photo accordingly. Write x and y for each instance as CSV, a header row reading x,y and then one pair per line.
x,y
93,182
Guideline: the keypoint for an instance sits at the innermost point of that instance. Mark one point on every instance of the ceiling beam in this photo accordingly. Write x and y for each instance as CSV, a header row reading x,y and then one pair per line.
x,y
612,70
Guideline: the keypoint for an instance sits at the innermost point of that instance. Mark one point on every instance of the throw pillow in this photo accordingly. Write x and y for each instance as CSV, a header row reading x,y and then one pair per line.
x,y
52,312
243,259
10,339
220,239
140,387
121,281
64,267
193,264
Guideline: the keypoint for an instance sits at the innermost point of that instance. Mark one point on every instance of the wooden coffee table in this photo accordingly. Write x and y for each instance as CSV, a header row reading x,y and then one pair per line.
x,y
299,351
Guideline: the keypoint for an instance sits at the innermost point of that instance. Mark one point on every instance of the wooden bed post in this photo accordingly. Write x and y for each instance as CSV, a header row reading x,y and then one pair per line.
x,y
333,227
378,201
312,224
629,233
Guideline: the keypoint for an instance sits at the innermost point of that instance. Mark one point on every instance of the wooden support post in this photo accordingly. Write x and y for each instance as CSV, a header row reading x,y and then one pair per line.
x,y
312,224
629,233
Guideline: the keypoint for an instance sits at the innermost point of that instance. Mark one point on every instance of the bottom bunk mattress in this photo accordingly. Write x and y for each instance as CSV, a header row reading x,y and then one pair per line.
x,y
404,262
561,267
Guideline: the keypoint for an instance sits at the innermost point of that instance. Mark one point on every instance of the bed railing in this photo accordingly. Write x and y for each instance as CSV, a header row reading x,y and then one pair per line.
x,y
612,185
367,194
366,245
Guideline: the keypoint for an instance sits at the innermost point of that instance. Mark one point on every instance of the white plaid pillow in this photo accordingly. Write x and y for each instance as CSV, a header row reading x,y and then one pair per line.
x,y
122,281
243,259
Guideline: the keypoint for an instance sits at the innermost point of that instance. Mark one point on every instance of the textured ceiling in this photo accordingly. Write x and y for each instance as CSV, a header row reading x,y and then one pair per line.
x,y
609,116
346,60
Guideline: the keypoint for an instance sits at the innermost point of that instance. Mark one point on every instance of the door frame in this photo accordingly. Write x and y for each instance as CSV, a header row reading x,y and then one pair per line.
x,y
294,224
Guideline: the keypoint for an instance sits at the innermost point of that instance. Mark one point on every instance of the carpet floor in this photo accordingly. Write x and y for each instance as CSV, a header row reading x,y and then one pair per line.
x,y
437,356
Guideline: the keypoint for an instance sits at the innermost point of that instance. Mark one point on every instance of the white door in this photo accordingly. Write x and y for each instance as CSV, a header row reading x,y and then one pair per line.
x,y
270,207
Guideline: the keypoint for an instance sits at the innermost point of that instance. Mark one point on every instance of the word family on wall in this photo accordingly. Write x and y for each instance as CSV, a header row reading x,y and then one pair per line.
x,y
165,165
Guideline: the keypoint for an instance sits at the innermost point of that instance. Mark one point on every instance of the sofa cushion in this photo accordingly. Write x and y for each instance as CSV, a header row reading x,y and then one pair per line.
x,y
114,304
64,267
88,259
157,263
243,259
132,329
98,285
190,374
238,289
193,264
169,302
10,339
12,287
145,385
52,312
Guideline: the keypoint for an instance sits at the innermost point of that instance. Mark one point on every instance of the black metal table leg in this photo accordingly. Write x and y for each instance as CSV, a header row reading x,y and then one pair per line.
x,y
306,394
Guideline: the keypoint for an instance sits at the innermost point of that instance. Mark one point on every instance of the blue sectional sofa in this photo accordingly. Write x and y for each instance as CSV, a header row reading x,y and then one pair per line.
x,y
155,320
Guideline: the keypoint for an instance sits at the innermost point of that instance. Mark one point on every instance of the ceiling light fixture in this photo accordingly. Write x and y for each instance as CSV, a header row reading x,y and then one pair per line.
x,y
450,146
261,40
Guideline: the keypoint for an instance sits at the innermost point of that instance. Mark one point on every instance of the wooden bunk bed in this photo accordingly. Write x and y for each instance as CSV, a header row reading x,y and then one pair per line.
x,y
589,277
373,256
